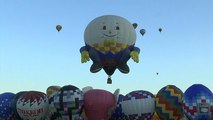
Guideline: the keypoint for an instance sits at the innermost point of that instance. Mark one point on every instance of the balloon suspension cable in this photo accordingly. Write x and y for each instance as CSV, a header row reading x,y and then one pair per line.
x,y
109,80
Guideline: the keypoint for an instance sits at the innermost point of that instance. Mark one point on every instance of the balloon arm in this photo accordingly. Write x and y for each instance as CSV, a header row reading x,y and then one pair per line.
x,y
136,49
84,54
134,54
84,48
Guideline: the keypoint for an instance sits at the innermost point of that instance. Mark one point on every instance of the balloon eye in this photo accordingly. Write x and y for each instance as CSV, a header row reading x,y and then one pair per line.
x,y
104,27
117,28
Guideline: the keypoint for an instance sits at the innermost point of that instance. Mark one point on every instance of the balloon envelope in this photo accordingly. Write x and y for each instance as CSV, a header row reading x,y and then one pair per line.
x,y
32,105
68,102
6,111
52,89
59,27
160,29
142,31
169,103
118,113
198,103
138,105
135,25
14,102
98,104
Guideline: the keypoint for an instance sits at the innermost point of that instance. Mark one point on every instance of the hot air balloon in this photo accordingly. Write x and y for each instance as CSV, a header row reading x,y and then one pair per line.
x,y
32,105
142,31
138,105
53,114
160,30
118,113
6,111
135,25
169,103
87,88
52,89
14,102
155,117
109,42
99,104
58,28
198,103
68,102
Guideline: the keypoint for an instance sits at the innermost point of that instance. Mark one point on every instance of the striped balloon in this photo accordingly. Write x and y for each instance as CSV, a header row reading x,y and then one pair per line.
x,y
169,103
198,103
138,105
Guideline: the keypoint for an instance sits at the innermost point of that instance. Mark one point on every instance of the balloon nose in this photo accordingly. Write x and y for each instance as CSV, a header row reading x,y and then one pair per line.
x,y
110,32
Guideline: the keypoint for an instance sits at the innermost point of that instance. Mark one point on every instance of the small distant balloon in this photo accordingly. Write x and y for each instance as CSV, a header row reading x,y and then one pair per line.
x,y
142,31
157,73
135,25
160,29
59,27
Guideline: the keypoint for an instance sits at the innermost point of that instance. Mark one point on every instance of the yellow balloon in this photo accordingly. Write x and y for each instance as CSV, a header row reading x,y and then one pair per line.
x,y
52,89
59,27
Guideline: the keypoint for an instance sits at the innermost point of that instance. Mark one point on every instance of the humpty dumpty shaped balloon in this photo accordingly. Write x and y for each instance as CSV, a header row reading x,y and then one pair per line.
x,y
109,42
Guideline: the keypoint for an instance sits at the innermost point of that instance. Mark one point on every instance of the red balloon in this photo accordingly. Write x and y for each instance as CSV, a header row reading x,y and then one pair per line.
x,y
98,104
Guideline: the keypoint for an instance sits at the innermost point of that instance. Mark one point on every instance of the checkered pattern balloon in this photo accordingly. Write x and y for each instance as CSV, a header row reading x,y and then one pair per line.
x,y
198,103
6,112
32,105
53,114
138,105
169,103
68,102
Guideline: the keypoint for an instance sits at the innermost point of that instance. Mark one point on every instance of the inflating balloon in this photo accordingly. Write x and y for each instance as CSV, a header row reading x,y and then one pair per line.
x,y
109,42
142,31
99,104
169,103
58,27
6,111
68,102
198,103
138,105
32,105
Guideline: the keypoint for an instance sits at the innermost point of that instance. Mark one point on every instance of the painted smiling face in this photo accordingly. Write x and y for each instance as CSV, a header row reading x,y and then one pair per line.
x,y
110,33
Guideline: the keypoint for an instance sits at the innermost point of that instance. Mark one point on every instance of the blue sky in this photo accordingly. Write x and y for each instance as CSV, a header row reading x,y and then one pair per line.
x,y
33,55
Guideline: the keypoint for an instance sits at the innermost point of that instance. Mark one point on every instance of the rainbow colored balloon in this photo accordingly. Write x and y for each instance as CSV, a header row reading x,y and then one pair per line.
x,y
169,103
198,103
